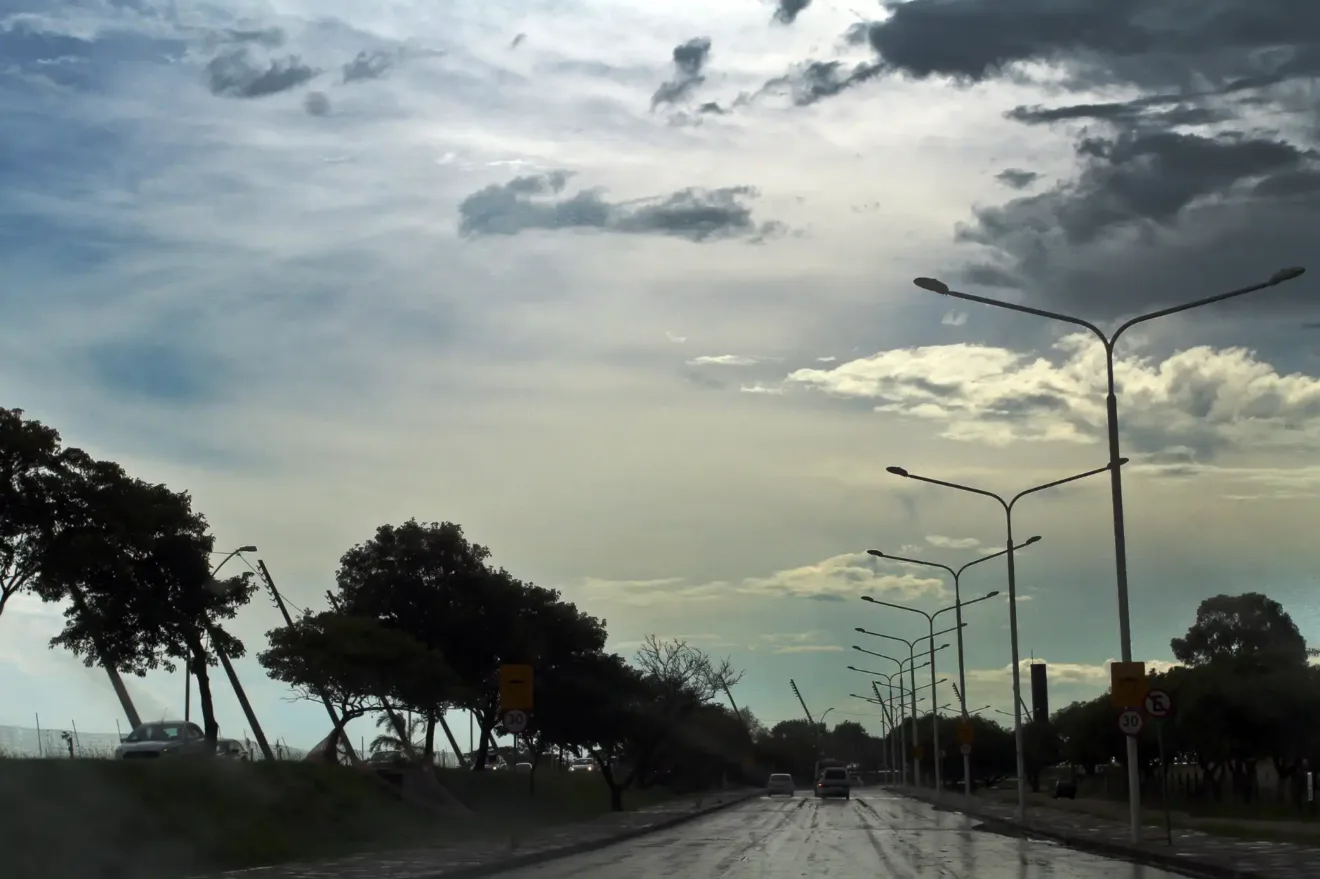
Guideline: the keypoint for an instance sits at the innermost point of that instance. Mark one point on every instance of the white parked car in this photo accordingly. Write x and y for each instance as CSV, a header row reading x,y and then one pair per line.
x,y
780,783
584,764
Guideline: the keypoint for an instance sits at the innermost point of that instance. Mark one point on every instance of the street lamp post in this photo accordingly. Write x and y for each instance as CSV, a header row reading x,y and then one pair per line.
x,y
889,680
957,603
1115,477
187,673
930,622
888,708
1008,506
912,676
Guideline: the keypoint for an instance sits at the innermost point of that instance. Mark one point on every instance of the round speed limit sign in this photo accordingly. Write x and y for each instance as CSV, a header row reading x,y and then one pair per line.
x,y
1131,722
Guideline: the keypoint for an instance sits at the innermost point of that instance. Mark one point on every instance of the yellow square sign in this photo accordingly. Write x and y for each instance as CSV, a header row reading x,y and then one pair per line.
x,y
1127,684
966,733
515,688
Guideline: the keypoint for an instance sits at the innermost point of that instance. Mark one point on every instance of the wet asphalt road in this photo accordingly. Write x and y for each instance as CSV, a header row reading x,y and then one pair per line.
x,y
872,835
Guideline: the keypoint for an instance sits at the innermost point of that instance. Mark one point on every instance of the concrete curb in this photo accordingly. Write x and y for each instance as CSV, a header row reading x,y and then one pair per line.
x,y
532,859
1145,857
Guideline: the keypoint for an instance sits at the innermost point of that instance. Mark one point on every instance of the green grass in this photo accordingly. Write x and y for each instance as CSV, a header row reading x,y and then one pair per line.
x,y
69,819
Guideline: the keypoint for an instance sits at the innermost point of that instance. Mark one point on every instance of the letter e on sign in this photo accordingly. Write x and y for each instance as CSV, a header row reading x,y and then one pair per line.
x,y
1158,704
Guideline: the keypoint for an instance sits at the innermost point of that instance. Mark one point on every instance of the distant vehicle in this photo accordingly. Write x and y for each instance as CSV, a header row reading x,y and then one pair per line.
x,y
584,764
780,783
388,758
825,763
833,782
173,738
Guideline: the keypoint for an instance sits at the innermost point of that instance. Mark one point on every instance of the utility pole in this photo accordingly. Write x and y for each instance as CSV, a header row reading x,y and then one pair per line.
x,y
320,691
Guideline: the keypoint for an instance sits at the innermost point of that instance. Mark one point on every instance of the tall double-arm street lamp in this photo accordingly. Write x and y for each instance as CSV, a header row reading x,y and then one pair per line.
x,y
1115,478
881,702
1008,506
956,574
889,682
930,621
912,677
889,679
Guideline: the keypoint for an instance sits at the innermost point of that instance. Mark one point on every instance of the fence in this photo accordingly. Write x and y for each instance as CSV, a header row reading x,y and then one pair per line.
x,y
57,742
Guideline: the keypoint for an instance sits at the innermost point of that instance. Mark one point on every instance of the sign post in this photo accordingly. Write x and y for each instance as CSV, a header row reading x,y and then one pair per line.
x,y
966,734
515,697
1159,706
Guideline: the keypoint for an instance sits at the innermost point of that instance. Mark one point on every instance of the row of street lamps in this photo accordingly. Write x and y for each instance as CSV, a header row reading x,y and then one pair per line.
x,y
1114,468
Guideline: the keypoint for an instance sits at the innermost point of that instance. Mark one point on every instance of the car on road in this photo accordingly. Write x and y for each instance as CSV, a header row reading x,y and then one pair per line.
x,y
779,783
833,782
583,764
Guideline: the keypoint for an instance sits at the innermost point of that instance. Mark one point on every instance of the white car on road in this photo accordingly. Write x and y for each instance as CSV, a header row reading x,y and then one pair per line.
x,y
779,783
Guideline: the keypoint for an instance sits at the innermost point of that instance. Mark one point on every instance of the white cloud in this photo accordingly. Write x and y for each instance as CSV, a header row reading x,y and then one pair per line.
x,y
772,390
1196,399
723,360
953,542
954,319
838,578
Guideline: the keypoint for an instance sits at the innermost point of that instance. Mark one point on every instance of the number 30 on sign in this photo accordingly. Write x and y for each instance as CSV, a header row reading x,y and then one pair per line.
x,y
1131,722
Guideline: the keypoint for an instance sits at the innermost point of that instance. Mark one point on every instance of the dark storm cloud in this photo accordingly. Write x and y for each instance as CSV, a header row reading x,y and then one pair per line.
x,y
1138,179
1152,43
787,11
316,104
982,275
1160,111
538,202
1169,202
689,61
816,80
367,66
1017,178
235,74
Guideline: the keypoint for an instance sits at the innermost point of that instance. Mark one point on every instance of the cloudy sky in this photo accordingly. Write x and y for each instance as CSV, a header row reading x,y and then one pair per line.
x,y
625,289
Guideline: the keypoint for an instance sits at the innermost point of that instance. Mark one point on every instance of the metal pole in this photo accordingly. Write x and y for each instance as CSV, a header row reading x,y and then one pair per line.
x,y
243,701
1120,567
916,733
320,692
902,730
935,715
962,678
187,690
1017,673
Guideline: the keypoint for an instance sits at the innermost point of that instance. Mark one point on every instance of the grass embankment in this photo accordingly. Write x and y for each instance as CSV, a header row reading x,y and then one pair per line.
x,y
73,819
1231,820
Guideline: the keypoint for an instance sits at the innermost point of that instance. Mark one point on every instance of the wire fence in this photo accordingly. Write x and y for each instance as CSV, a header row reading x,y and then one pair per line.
x,y
69,742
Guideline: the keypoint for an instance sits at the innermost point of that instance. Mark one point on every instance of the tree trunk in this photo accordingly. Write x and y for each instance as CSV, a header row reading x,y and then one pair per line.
x,y
535,752
428,748
209,726
453,743
486,721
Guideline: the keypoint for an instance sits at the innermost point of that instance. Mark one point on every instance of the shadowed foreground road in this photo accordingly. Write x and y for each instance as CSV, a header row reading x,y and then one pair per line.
x,y
872,835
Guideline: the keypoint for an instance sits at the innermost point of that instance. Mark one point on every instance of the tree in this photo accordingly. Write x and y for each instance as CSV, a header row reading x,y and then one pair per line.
x,y
1040,748
390,740
679,666
34,473
355,661
599,704
132,560
432,583
1251,631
